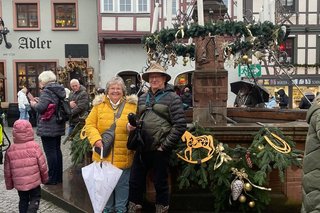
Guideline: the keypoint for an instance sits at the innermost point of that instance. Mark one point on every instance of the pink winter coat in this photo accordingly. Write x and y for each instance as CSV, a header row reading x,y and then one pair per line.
x,y
25,165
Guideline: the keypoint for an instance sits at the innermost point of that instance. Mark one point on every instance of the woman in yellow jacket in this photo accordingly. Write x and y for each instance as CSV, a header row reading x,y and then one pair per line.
x,y
101,117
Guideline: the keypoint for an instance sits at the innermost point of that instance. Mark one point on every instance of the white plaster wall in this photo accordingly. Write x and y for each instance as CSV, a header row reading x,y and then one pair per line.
x,y
257,6
108,23
312,53
87,34
232,77
313,5
301,41
125,23
312,40
143,24
301,56
302,6
302,19
313,18
132,57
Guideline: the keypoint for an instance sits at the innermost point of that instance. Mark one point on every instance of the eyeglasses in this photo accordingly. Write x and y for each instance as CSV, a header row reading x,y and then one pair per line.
x,y
155,76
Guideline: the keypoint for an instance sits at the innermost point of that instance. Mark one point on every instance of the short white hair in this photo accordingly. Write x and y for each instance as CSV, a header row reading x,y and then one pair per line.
x,y
76,81
47,77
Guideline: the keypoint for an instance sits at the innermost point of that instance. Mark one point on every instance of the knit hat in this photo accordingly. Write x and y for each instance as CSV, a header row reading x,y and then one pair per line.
x,y
155,68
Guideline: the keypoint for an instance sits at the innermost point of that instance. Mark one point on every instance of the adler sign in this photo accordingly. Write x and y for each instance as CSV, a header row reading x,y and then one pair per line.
x,y
36,43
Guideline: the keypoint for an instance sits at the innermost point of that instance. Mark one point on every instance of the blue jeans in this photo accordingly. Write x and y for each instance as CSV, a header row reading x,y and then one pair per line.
x,y
52,149
24,115
119,197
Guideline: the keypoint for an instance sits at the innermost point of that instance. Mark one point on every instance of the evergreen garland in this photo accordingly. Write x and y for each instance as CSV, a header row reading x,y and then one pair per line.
x,y
219,181
79,148
265,35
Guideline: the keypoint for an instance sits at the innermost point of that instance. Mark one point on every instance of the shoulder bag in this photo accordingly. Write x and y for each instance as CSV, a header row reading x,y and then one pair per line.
x,y
109,134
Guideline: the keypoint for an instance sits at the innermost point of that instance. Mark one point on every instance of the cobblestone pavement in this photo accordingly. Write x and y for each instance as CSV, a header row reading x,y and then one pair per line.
x,y
10,199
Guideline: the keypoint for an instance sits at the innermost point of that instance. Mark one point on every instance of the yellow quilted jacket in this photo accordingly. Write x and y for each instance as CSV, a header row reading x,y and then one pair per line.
x,y
100,118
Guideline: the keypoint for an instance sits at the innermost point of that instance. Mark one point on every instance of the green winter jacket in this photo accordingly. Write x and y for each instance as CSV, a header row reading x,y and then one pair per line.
x,y
311,162
163,119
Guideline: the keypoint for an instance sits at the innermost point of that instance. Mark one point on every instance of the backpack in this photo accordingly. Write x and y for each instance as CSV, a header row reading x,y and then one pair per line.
x,y
63,111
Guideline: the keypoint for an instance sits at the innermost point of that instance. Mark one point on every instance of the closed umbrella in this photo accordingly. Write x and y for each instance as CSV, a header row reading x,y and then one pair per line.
x,y
100,178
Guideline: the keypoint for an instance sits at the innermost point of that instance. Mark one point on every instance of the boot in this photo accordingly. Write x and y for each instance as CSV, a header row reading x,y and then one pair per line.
x,y
161,209
134,208
33,206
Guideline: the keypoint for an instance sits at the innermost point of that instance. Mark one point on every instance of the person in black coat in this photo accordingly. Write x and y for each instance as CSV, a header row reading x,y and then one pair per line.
x,y
245,97
48,129
283,100
304,103
187,97
163,124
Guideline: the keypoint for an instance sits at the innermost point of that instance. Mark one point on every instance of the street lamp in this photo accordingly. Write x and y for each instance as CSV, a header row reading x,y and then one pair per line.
x,y
3,34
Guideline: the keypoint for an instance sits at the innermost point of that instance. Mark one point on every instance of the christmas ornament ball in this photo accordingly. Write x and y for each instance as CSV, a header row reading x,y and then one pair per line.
x,y
247,187
242,199
245,57
260,147
252,204
249,61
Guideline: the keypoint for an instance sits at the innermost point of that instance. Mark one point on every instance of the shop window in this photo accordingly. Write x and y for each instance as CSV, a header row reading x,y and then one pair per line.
x,y
288,4
2,84
27,16
27,74
65,16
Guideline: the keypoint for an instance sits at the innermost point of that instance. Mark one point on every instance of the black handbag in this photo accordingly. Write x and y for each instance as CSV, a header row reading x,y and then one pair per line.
x,y
108,135
135,141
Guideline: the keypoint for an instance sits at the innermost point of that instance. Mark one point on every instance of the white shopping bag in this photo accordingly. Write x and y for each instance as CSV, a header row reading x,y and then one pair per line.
x,y
100,178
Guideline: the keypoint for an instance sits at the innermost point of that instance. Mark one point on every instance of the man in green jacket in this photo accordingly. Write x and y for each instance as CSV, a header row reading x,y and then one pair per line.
x,y
162,124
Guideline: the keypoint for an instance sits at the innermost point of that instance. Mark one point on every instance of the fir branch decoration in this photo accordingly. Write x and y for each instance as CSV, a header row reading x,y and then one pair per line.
x,y
79,149
267,158
258,36
263,159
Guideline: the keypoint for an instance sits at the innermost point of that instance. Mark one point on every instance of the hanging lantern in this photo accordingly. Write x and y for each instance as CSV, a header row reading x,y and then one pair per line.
x,y
182,80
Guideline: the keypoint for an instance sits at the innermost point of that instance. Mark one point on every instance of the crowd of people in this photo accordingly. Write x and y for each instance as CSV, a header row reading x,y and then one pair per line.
x,y
159,109
160,114
248,97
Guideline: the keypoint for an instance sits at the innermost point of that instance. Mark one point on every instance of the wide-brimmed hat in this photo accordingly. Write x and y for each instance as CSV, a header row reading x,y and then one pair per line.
x,y
155,68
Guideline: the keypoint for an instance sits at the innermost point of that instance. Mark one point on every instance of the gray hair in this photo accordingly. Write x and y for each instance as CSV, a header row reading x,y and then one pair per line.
x,y
74,81
116,80
47,77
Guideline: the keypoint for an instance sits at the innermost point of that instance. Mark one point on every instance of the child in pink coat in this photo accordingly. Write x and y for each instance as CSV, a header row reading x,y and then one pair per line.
x,y
25,167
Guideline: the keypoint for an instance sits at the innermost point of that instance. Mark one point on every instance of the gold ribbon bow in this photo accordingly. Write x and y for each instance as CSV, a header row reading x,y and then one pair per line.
x,y
180,30
243,175
222,157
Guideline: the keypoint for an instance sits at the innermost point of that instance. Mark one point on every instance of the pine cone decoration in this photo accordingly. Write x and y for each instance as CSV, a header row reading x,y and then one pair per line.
x,y
236,189
248,159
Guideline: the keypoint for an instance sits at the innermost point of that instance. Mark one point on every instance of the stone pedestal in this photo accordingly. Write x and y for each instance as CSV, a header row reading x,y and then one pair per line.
x,y
210,81
210,99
